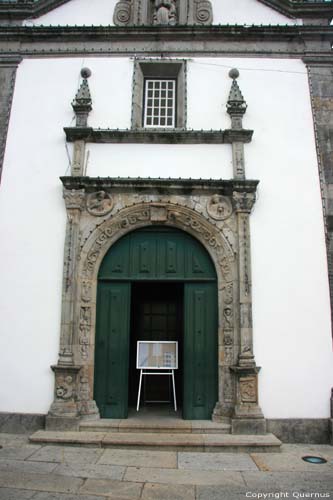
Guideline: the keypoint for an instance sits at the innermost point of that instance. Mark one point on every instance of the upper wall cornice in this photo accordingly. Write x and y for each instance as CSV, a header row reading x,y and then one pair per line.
x,y
259,41
25,9
91,33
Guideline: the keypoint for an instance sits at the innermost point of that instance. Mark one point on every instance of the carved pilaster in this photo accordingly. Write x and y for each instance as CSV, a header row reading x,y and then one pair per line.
x,y
74,200
246,372
243,205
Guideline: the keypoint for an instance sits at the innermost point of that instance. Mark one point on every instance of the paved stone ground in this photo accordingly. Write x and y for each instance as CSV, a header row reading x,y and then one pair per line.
x,y
79,473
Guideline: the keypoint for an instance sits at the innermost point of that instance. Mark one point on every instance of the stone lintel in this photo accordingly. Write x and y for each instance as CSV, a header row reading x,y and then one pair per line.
x,y
168,186
151,136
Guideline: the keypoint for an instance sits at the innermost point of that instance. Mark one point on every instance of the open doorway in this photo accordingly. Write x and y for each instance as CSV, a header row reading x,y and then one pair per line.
x,y
156,314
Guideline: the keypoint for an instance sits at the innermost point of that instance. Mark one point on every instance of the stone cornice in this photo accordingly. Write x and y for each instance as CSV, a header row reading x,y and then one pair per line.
x,y
32,9
291,41
221,186
91,33
157,136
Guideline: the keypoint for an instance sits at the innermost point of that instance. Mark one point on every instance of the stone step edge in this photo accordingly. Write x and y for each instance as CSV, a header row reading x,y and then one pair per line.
x,y
154,439
154,428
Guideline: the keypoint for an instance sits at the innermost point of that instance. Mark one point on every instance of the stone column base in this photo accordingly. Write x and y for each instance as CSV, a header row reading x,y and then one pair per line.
x,y
62,423
330,423
248,426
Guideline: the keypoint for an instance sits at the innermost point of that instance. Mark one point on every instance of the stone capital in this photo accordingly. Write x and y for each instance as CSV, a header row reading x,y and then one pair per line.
x,y
74,198
244,202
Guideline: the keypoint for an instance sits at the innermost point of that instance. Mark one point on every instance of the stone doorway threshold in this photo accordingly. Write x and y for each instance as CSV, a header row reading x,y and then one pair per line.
x,y
159,429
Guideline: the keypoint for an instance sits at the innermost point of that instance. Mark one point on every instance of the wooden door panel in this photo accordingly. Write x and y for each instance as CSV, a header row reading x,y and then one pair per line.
x,y
200,350
112,349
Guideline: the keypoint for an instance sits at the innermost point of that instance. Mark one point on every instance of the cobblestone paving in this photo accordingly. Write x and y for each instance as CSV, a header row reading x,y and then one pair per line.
x,y
40,472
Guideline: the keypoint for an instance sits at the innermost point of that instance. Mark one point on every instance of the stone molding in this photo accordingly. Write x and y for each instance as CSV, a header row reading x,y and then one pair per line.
x,y
149,136
180,41
183,204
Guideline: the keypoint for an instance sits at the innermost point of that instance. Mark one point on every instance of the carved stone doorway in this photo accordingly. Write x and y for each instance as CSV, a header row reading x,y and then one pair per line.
x,y
159,284
216,215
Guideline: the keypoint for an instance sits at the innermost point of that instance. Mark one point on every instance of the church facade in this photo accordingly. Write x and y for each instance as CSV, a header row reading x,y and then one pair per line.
x,y
166,176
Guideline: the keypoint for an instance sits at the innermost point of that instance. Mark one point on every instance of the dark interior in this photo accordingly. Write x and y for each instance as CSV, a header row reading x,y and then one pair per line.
x,y
156,314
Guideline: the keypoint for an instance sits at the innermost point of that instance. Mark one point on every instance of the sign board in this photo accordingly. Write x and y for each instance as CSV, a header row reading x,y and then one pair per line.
x,y
153,355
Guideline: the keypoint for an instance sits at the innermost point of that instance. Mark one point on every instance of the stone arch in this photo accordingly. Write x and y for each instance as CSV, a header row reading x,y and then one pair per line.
x,y
98,243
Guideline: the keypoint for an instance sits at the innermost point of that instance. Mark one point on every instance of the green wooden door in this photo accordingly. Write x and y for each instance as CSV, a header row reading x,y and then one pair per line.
x,y
112,349
200,351
156,256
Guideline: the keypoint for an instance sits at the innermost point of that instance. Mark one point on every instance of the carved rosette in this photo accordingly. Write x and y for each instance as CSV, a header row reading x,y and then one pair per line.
x,y
122,15
74,198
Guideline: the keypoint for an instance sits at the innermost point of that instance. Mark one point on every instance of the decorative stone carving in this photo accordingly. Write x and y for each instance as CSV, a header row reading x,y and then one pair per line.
x,y
219,207
74,198
228,293
165,12
236,105
228,340
86,291
64,389
99,203
248,389
84,329
228,317
122,15
158,213
229,352
162,12
65,393
82,104
202,12
244,201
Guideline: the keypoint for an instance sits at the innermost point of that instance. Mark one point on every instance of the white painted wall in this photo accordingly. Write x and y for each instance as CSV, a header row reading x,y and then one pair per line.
x,y
78,12
247,12
290,289
100,12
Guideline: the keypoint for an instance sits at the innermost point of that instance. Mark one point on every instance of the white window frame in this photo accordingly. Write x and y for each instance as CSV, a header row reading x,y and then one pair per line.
x,y
174,69
157,105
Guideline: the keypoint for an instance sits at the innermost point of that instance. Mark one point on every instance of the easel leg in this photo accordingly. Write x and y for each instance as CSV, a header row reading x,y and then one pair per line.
x,y
174,390
139,392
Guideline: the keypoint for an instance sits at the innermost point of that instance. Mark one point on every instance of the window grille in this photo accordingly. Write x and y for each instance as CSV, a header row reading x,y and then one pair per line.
x,y
160,103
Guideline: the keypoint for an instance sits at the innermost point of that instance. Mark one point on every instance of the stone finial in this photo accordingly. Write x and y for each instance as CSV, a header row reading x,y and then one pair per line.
x,y
82,103
236,105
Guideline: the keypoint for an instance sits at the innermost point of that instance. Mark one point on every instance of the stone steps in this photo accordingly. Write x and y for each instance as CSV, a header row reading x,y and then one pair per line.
x,y
155,425
187,441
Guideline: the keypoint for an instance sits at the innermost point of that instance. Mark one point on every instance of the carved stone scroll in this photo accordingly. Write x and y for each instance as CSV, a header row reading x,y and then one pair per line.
x,y
162,12
123,13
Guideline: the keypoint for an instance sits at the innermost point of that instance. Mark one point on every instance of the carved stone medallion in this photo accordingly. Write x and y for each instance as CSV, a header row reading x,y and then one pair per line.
x,y
219,207
99,203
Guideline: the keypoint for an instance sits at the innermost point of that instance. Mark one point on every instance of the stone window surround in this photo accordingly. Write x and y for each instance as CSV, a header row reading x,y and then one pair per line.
x,y
157,68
